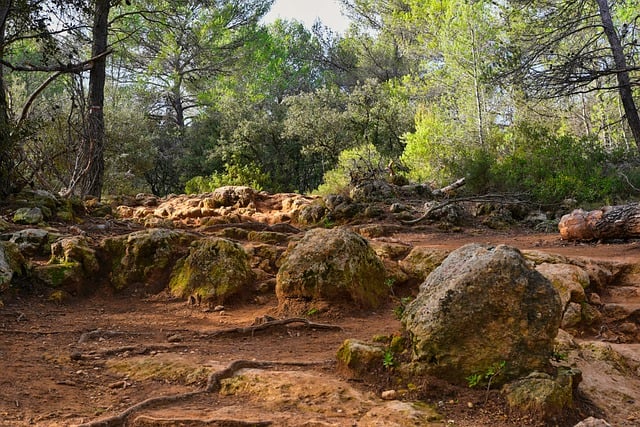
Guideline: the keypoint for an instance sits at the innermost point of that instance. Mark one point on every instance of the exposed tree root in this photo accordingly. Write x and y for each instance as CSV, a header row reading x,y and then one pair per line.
x,y
135,349
146,421
270,324
213,386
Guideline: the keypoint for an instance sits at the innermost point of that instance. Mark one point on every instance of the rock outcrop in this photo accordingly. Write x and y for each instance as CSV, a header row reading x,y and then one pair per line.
x,y
483,307
145,257
331,265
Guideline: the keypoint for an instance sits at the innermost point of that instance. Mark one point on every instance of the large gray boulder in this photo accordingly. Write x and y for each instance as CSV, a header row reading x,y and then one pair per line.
x,y
483,307
331,265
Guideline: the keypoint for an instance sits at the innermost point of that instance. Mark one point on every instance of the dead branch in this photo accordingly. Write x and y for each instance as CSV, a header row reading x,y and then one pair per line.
x,y
448,190
270,324
496,198
145,420
213,386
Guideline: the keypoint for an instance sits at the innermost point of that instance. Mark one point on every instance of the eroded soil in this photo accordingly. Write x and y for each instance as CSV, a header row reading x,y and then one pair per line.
x,y
89,358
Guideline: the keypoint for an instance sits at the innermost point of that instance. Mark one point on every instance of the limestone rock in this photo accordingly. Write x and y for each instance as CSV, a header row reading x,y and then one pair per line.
x,y
30,216
334,265
33,241
541,395
145,257
73,266
593,422
483,306
359,358
421,261
569,280
231,195
11,263
216,269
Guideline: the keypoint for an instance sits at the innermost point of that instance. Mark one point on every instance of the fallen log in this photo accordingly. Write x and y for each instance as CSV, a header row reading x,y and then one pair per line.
x,y
609,222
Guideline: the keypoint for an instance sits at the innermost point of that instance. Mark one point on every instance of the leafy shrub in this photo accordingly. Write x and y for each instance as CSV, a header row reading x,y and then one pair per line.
x,y
355,164
249,175
547,165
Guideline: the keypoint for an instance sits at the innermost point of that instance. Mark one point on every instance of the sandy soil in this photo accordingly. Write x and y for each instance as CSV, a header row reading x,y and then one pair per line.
x,y
85,359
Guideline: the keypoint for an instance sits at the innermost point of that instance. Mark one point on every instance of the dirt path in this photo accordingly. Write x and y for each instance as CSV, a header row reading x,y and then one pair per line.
x,y
71,363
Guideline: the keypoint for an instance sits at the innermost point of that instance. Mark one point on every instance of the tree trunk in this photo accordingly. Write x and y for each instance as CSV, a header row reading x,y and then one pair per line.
x,y
610,222
6,158
625,89
93,147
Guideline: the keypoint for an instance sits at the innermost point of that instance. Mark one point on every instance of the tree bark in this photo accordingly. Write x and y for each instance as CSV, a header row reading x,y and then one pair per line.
x,y
93,147
609,222
6,158
625,89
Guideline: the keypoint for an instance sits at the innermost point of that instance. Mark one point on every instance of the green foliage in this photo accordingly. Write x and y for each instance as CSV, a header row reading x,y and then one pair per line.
x,y
355,164
549,165
249,175
487,376
388,360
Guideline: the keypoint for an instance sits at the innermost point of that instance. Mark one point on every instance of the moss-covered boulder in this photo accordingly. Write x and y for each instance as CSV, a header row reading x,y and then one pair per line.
x,y
333,265
29,216
358,358
483,307
12,263
541,396
73,266
34,242
215,269
145,258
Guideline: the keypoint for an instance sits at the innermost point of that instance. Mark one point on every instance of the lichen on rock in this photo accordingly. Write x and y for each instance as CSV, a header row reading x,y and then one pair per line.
x,y
216,269
334,265
483,306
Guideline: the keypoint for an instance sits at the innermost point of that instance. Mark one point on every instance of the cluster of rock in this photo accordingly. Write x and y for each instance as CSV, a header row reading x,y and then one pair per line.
x,y
482,313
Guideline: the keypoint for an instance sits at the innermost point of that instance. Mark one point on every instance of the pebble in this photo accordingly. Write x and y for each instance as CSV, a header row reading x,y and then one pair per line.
x,y
389,394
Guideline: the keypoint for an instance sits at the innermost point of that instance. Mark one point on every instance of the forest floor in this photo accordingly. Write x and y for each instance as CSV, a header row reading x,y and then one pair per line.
x,y
88,358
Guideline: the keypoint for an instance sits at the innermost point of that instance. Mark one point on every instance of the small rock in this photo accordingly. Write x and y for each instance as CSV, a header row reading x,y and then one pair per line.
x,y
389,394
118,384
593,422
174,338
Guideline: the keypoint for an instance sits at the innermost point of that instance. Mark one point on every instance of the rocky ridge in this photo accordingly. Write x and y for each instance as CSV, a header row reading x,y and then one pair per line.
x,y
148,245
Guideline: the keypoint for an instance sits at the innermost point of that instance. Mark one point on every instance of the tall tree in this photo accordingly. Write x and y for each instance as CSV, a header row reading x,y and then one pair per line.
x,y
93,145
566,47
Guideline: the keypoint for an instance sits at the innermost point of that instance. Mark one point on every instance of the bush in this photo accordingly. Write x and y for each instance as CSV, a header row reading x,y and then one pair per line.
x,y
549,166
363,163
249,175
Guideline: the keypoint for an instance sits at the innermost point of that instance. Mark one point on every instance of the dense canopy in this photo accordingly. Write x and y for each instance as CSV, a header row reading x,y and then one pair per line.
x,y
537,97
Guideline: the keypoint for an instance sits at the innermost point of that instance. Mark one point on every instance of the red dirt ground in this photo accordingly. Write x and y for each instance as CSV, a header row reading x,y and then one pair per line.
x,y
49,378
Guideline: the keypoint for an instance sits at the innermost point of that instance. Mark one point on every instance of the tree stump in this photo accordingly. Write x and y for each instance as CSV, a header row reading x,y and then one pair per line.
x,y
609,222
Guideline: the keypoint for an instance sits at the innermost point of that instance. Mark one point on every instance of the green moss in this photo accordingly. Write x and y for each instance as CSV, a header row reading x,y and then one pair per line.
x,y
215,269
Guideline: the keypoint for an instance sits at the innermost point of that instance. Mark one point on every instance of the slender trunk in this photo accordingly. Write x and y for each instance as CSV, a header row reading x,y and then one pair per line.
x,y
476,88
6,158
625,89
93,149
